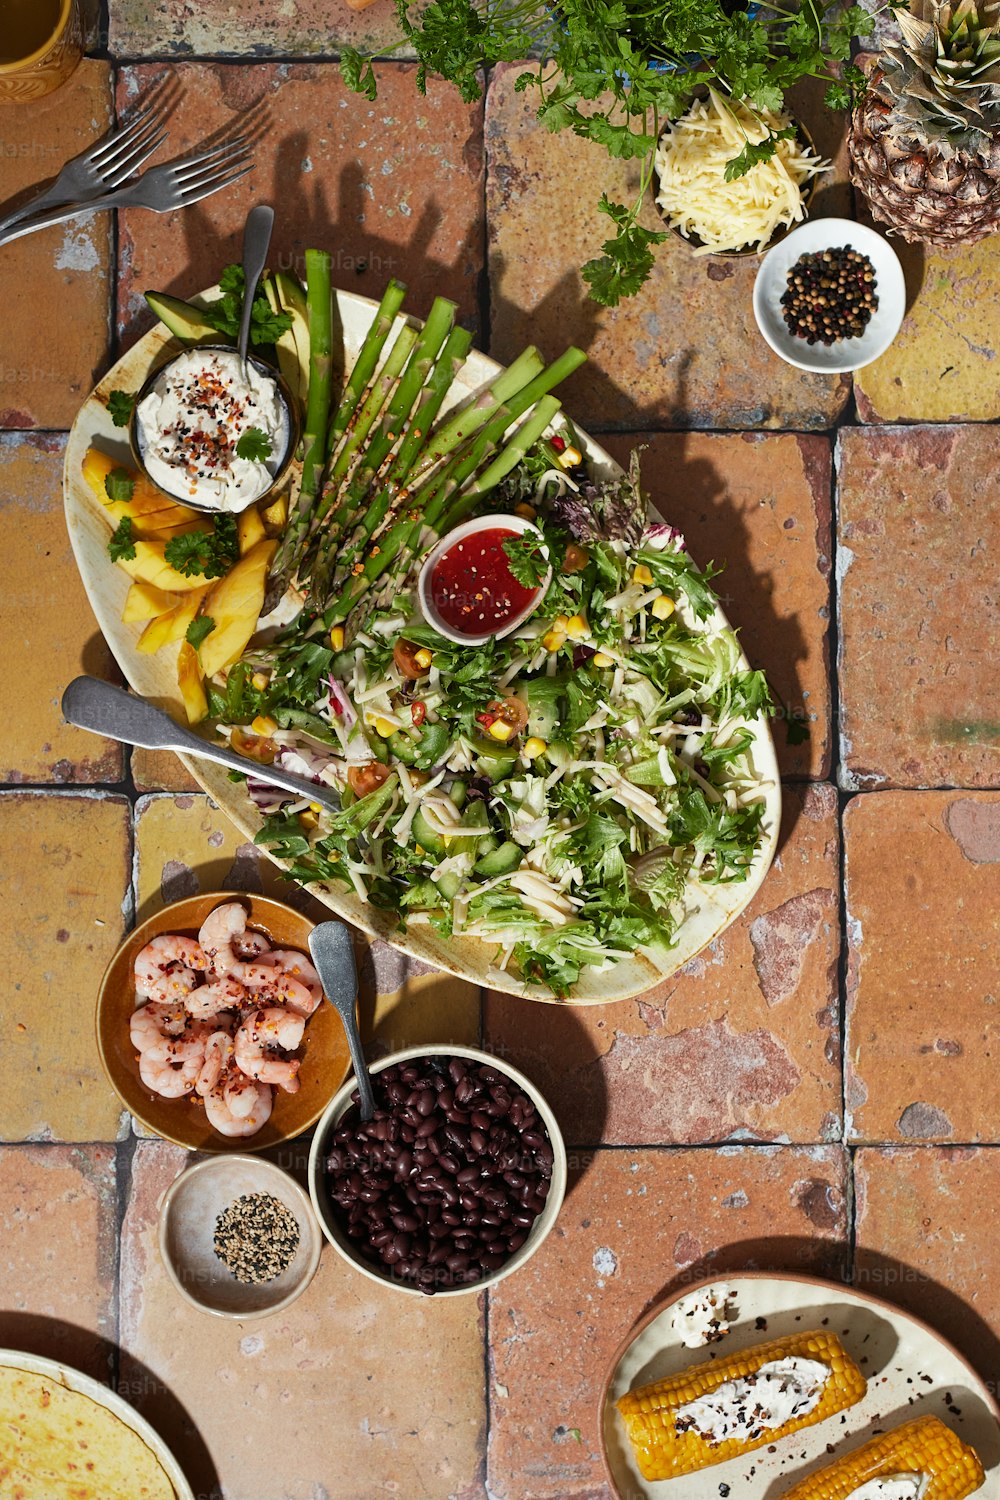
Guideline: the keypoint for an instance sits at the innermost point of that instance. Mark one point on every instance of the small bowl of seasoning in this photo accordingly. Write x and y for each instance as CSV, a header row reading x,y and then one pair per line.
x,y
453,1184
830,297
238,1237
484,579
214,432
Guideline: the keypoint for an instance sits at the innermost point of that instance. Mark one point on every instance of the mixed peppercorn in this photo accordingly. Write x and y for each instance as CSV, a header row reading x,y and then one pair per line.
x,y
830,296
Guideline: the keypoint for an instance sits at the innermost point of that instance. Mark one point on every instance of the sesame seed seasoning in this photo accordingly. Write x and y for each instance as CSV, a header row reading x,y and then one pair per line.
x,y
256,1237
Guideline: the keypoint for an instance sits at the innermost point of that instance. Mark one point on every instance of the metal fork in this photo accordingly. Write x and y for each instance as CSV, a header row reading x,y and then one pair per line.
x,y
99,169
175,184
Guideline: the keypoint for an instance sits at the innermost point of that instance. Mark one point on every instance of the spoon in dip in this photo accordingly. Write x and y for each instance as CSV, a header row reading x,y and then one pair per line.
x,y
256,241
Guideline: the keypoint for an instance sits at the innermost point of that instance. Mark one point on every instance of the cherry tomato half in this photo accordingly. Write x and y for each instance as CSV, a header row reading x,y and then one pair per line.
x,y
576,559
511,711
363,780
404,654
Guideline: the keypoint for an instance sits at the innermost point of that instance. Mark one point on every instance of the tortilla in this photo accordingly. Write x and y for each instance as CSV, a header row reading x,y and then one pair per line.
x,y
57,1444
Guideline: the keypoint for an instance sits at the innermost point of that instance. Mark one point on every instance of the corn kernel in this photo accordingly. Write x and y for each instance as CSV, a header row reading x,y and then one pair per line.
x,y
553,639
337,637
663,607
260,680
264,724
308,818
570,457
533,748
527,511
641,574
501,731
316,807
577,628
423,657
384,728
602,659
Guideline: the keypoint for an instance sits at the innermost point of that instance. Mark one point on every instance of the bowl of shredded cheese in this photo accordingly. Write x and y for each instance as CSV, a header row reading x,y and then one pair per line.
x,y
748,214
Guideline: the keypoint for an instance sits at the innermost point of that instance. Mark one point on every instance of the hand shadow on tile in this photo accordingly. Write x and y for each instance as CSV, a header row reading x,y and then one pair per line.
x,y
127,1377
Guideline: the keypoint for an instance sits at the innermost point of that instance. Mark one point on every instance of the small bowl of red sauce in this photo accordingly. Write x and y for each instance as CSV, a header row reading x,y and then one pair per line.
x,y
466,587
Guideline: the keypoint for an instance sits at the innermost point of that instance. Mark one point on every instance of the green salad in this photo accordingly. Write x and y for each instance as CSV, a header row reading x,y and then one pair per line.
x,y
554,792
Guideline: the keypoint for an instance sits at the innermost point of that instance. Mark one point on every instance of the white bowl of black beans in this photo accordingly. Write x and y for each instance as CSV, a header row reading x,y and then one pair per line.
x,y
830,297
452,1186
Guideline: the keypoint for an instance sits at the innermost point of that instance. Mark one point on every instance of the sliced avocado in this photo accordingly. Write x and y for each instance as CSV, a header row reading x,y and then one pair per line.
x,y
184,320
501,861
292,348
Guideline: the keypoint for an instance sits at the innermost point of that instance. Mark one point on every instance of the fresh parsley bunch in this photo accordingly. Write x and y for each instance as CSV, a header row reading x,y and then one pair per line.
x,y
615,72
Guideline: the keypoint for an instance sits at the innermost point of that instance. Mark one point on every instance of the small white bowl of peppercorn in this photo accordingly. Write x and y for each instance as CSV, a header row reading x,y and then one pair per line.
x,y
830,297
238,1237
453,1184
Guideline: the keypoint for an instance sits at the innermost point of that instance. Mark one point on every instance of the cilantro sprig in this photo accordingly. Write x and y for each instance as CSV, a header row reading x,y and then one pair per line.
x,y
266,325
254,445
120,404
119,485
210,553
526,559
121,545
198,630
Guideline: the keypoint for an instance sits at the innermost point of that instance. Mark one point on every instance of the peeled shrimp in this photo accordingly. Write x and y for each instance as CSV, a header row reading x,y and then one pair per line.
x,y
222,932
296,983
278,989
250,944
223,1119
209,999
240,1092
153,1022
262,1032
164,955
171,1079
218,1055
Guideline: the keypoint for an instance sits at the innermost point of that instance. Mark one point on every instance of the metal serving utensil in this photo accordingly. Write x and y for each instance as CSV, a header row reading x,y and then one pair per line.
x,y
105,709
332,950
256,239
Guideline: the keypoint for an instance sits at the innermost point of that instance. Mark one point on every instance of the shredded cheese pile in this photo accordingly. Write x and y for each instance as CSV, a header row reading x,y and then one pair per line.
x,y
694,195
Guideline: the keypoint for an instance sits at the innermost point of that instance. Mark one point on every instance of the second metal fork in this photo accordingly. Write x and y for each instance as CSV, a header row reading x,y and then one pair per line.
x,y
99,169
175,184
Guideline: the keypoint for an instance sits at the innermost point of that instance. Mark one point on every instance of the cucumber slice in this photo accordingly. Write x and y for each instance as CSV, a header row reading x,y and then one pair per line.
x,y
449,885
425,836
403,748
458,793
501,861
494,760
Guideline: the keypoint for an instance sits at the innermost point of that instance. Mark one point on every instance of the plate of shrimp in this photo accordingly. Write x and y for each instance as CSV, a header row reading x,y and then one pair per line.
x,y
212,1028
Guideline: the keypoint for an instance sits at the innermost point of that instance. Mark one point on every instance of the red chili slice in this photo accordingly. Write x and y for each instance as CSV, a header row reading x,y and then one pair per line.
x,y
418,712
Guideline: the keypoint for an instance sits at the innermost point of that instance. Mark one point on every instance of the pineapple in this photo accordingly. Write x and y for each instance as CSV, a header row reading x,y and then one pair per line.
x,y
925,138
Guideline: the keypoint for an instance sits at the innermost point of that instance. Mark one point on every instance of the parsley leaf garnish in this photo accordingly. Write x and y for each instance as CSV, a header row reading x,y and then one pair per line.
x,y
206,552
254,445
120,404
198,629
119,485
526,559
627,259
121,544
266,326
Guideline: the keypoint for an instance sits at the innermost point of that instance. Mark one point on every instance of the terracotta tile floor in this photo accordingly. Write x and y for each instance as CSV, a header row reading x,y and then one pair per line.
x,y
814,1092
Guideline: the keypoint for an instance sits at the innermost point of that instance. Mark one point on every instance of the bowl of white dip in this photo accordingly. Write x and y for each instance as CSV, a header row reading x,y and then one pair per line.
x,y
192,418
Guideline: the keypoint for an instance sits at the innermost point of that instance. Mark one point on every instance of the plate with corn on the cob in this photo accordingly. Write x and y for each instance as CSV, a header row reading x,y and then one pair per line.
x,y
778,1387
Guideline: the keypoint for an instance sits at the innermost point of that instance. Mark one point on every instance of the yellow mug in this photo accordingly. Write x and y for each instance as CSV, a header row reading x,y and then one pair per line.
x,y
41,42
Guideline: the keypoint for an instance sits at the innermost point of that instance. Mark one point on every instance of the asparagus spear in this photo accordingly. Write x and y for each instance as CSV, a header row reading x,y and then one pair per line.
x,y
319,306
470,418
368,356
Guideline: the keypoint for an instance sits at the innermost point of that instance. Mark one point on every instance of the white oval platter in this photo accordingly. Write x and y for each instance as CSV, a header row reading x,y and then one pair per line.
x,y
711,908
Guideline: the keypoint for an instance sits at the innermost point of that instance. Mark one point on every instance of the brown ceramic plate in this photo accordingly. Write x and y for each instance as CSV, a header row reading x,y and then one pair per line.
x,y
911,1372
324,1054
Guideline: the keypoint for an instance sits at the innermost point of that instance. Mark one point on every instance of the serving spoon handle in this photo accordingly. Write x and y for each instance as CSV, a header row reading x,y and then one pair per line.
x,y
332,949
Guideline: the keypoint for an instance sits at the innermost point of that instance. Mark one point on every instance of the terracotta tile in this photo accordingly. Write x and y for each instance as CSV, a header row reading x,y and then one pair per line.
x,y
742,1044
56,284
941,367
761,506
636,1226
375,1392
920,616
64,879
685,352
184,844
58,1244
395,185
924,948
254,28
40,591
161,771
927,1231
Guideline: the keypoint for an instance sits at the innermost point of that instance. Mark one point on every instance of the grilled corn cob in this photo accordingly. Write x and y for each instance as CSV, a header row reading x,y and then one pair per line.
x,y
649,1413
924,1447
